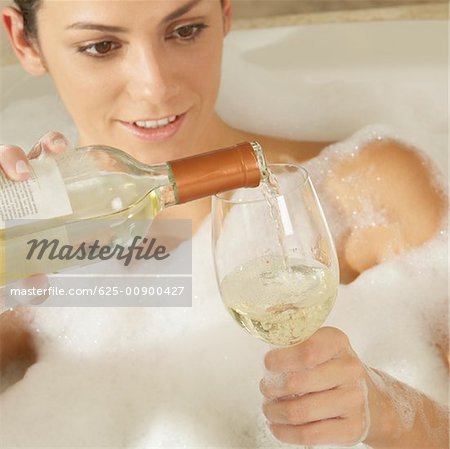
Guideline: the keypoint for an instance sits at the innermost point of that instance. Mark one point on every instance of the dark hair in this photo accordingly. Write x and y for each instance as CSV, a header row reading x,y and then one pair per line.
x,y
28,8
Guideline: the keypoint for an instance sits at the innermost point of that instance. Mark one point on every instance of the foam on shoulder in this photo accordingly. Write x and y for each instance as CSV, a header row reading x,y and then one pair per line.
x,y
371,186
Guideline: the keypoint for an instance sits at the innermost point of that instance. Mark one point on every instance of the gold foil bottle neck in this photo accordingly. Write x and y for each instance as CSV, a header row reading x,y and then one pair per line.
x,y
242,165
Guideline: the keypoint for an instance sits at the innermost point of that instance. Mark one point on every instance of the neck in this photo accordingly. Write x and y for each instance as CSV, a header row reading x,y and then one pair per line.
x,y
216,134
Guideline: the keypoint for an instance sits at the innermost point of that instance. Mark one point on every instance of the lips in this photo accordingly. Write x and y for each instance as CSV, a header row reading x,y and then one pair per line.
x,y
151,130
153,124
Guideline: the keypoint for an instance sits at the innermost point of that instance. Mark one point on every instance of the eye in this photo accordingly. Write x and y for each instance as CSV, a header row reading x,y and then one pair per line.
x,y
99,49
187,32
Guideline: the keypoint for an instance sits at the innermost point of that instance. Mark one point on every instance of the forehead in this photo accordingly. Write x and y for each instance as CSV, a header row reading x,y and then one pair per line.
x,y
123,10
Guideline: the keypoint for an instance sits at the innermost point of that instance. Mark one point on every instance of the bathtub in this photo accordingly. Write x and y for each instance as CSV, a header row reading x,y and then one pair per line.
x,y
319,82
108,378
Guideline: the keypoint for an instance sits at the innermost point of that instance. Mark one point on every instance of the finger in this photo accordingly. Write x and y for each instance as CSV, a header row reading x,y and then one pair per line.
x,y
336,432
32,291
324,345
14,162
336,403
52,142
41,284
328,375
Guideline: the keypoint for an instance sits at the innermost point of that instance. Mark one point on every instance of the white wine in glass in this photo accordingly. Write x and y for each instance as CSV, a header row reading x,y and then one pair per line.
x,y
275,260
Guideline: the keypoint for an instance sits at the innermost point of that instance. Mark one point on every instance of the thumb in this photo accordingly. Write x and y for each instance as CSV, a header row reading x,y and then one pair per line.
x,y
32,290
52,142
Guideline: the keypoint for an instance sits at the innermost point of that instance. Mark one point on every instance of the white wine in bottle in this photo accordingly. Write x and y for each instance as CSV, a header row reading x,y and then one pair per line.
x,y
71,196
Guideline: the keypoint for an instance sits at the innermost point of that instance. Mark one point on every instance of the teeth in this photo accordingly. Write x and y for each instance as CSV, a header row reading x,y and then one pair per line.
x,y
153,124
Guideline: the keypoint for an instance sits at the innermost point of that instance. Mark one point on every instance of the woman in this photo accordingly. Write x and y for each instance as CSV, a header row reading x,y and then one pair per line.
x,y
143,77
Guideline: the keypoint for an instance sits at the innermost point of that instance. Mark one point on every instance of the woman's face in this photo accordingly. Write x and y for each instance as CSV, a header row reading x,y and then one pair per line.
x,y
138,75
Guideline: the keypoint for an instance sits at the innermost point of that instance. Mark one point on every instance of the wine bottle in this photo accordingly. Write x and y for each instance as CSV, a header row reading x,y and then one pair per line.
x,y
70,196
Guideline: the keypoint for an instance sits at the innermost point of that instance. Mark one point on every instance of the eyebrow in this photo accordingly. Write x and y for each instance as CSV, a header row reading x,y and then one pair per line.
x,y
181,11
96,26
115,29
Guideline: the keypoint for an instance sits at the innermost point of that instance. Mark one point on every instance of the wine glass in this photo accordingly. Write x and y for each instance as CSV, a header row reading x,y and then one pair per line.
x,y
274,257
275,260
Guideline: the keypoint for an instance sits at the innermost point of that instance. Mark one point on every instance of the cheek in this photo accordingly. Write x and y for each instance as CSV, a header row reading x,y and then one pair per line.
x,y
79,82
207,72
84,92
83,101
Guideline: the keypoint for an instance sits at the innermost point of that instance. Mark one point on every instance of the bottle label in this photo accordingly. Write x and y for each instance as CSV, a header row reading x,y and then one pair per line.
x,y
42,196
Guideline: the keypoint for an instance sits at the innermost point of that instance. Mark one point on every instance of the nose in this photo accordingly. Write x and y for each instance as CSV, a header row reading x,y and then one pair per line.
x,y
150,76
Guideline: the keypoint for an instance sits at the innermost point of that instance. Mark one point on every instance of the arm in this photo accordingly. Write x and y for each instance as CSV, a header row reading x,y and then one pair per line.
x,y
319,392
404,417
16,340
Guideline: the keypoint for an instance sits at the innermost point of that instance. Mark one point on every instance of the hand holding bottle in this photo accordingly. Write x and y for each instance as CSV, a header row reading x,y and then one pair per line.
x,y
98,189
14,163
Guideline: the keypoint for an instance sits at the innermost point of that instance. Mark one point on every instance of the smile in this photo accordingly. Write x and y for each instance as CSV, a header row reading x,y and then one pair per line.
x,y
155,123
155,130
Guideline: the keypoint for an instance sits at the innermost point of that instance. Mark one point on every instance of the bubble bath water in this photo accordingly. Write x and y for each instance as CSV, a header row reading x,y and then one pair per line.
x,y
188,377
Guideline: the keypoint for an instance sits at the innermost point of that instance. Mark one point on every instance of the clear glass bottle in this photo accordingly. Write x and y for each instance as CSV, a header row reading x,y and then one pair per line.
x,y
80,194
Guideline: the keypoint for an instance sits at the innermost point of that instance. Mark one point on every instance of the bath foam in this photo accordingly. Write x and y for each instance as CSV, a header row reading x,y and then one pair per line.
x,y
189,377
173,378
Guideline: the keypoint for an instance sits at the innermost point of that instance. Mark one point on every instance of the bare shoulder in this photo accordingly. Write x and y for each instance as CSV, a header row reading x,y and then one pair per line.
x,y
386,177
396,181
398,177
